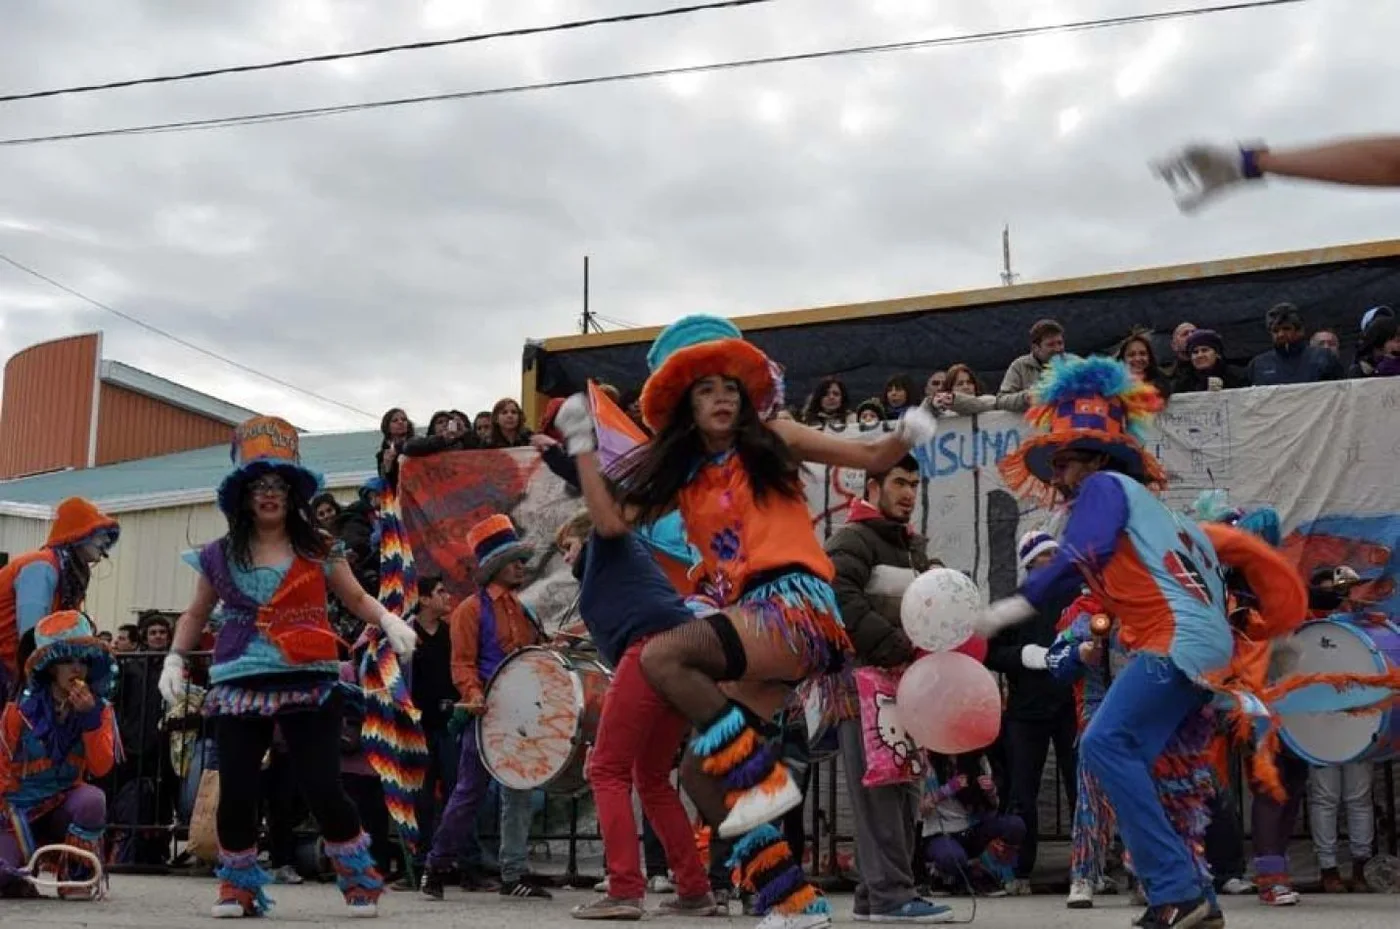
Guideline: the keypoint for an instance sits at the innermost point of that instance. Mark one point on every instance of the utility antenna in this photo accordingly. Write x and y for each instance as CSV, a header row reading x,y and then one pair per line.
x,y
588,322
1008,277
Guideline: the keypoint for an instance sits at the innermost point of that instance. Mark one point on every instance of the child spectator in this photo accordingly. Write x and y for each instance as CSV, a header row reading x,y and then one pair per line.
x,y
895,396
968,844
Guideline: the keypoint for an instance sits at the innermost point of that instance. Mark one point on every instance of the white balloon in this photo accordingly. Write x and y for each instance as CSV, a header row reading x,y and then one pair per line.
x,y
939,608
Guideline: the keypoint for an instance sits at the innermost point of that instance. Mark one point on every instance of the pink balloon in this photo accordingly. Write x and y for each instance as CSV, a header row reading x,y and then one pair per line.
x,y
975,648
949,703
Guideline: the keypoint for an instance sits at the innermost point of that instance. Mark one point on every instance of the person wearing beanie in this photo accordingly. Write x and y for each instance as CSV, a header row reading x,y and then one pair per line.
x,y
51,579
1292,360
1039,709
1378,352
1206,368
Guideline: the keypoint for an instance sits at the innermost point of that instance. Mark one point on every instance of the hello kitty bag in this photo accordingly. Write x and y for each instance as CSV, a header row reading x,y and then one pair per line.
x,y
891,757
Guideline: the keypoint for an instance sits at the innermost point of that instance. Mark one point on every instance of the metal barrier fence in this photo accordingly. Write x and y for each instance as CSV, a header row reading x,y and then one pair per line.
x,y
152,791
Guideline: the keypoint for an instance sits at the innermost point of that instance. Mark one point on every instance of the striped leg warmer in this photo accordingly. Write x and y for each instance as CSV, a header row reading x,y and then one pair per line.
x,y
767,868
355,873
733,749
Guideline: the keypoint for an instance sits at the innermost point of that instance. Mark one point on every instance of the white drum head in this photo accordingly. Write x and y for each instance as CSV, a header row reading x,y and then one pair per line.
x,y
1331,738
532,714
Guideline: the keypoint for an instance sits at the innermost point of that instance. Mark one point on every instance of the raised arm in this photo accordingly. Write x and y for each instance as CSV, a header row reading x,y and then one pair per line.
x,y
917,427
1363,162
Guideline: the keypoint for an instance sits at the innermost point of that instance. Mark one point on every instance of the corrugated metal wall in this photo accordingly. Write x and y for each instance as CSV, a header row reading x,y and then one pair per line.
x,y
47,406
145,571
131,426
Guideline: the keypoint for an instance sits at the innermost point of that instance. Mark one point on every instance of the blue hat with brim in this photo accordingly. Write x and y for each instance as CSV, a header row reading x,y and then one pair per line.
x,y
71,636
266,445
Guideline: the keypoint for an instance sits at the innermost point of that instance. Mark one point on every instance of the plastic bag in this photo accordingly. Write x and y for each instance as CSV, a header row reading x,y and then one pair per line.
x,y
891,757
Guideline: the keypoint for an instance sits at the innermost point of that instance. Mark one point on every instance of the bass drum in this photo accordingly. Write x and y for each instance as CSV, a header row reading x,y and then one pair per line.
x,y
542,711
1331,736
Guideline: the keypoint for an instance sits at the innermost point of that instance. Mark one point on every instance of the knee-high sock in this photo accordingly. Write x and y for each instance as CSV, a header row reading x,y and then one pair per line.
x,y
89,840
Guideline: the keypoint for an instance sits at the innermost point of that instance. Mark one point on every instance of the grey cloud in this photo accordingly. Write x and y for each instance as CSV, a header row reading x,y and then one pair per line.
x,y
403,256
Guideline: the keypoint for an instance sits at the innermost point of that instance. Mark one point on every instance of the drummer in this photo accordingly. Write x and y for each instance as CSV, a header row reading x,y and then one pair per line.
x,y
487,628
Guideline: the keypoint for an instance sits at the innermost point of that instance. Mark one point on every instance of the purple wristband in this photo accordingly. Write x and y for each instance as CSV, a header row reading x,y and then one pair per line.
x,y
1249,162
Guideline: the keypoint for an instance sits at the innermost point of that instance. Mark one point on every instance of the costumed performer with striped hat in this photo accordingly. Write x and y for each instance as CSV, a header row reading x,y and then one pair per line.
x,y
276,662
57,734
736,480
1153,570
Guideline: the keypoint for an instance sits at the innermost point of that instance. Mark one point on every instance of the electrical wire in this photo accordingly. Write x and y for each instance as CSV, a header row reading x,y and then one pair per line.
x,y
224,122
177,340
381,50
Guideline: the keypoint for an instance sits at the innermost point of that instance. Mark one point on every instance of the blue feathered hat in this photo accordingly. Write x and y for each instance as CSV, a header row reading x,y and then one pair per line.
x,y
266,445
69,635
1213,506
697,347
1089,404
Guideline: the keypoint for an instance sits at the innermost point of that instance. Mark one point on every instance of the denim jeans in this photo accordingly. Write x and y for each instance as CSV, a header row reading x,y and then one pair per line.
x,y
517,810
1347,786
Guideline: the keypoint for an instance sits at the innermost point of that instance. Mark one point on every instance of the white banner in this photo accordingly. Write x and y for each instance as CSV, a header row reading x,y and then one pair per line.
x,y
1323,455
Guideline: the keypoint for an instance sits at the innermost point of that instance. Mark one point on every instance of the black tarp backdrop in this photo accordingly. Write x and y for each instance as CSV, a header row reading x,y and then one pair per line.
x,y
865,352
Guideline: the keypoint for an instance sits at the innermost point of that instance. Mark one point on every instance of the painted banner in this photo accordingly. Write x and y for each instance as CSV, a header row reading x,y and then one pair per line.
x,y
1323,454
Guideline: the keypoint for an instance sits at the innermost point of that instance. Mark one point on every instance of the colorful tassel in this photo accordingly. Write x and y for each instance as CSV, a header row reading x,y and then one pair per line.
x,y
767,868
355,873
720,733
242,879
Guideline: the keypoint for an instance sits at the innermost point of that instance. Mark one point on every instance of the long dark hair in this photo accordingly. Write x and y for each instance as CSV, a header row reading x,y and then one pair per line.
x,y
307,540
652,475
814,415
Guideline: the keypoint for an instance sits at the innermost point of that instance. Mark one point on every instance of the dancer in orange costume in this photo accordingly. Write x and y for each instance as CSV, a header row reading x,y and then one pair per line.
x,y
735,479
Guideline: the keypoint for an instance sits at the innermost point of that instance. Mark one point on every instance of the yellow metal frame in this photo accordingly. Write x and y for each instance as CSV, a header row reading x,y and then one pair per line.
x,y
533,401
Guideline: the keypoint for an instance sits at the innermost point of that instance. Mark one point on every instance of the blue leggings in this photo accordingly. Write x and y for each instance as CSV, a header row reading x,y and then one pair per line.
x,y
1142,709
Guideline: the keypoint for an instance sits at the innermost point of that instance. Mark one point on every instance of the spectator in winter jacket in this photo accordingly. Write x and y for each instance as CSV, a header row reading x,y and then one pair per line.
x,y
1378,354
1206,368
829,404
896,396
1039,709
447,432
1047,341
1292,360
508,425
877,555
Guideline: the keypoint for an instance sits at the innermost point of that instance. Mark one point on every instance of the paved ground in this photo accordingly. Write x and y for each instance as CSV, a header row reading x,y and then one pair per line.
x,y
161,902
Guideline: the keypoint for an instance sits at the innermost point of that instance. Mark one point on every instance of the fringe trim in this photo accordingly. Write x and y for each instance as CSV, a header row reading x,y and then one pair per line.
x,y
244,879
720,734
355,872
1029,486
767,868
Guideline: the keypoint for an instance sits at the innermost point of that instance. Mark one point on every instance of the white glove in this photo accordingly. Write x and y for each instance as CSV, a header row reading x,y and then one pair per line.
x,y
172,678
1005,612
1199,173
917,427
575,423
402,639
1033,657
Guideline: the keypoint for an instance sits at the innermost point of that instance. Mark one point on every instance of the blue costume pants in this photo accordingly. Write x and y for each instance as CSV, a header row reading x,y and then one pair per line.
x,y
1143,707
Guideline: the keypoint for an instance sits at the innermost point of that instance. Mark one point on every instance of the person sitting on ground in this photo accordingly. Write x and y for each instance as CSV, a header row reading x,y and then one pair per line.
x,y
968,844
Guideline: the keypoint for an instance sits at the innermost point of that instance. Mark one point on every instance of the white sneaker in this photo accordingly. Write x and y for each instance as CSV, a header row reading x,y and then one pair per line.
x,y
661,884
1081,896
601,887
1018,887
757,807
364,909
776,920
286,875
1236,887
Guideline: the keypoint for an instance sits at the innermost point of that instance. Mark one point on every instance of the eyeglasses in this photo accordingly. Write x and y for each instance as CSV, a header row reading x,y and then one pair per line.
x,y
268,487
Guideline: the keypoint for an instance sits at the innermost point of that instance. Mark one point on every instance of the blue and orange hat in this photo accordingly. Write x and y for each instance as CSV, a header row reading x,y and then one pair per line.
x,y
1087,404
696,347
495,544
70,635
266,445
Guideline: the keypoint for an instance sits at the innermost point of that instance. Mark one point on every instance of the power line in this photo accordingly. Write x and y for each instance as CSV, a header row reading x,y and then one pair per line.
x,y
381,50
224,122
176,339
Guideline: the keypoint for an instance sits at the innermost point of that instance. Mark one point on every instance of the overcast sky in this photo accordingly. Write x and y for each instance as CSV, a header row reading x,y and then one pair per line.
x,y
402,256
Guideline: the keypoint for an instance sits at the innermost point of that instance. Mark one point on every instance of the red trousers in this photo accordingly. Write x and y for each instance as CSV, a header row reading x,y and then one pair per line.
x,y
639,737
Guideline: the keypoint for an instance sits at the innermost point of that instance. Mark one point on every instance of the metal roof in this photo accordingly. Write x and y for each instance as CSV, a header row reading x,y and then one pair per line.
x,y
144,382
186,477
